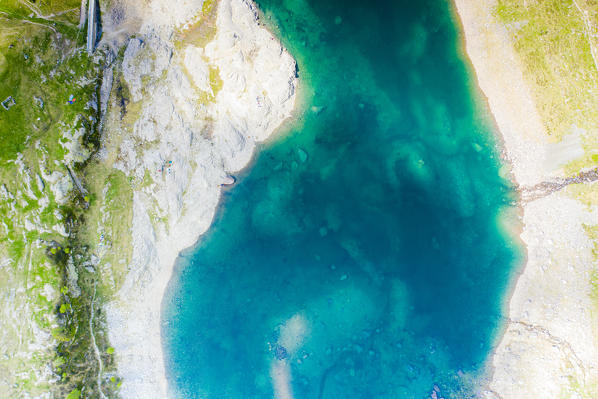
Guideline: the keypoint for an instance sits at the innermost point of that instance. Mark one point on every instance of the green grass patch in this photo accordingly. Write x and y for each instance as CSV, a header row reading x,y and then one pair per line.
x,y
216,82
108,222
204,30
592,232
74,394
42,66
550,37
37,72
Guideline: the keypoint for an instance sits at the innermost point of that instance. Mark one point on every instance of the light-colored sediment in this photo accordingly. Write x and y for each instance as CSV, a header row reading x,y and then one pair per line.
x,y
206,138
549,348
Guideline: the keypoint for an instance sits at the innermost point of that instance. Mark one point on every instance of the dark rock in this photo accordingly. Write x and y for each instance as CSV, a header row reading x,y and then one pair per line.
x,y
280,352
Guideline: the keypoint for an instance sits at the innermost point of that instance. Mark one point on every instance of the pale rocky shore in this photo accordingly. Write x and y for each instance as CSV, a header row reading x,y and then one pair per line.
x,y
191,133
549,348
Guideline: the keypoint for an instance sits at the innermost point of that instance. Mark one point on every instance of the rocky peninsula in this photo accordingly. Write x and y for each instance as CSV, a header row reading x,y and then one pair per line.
x,y
201,110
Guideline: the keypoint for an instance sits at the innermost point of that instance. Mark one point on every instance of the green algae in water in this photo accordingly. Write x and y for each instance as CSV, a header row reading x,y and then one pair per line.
x,y
360,257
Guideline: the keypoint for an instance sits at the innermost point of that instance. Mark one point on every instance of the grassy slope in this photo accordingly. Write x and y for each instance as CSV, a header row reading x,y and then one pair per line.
x,y
42,58
555,40
552,39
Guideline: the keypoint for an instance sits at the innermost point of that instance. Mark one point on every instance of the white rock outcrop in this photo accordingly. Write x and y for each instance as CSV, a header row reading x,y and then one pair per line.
x,y
548,349
190,135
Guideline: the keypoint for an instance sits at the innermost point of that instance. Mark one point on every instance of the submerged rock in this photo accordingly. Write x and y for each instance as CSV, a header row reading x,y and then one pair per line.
x,y
317,109
280,352
302,155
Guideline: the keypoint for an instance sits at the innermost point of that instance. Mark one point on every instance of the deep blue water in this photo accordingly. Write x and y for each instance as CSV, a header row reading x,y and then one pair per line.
x,y
360,256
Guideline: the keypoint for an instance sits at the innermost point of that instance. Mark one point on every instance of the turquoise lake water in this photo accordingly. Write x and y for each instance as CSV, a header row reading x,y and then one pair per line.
x,y
360,255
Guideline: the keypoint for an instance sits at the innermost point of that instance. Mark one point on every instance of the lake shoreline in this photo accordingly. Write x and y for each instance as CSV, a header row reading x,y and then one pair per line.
x,y
544,349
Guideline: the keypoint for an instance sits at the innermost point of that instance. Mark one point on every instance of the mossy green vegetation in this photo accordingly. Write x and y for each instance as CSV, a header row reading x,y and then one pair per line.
x,y
554,43
594,281
578,390
199,34
67,9
592,232
108,222
59,16
557,41
47,278
203,30
586,193
41,88
74,394
590,157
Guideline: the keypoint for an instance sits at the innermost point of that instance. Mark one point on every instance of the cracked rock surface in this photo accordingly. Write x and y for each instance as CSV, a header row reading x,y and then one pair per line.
x,y
199,114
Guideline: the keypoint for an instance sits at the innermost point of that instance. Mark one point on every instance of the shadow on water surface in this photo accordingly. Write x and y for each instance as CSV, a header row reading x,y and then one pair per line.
x,y
360,256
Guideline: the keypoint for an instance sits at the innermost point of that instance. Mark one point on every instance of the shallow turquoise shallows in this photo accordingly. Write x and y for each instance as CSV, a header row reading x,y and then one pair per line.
x,y
360,256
